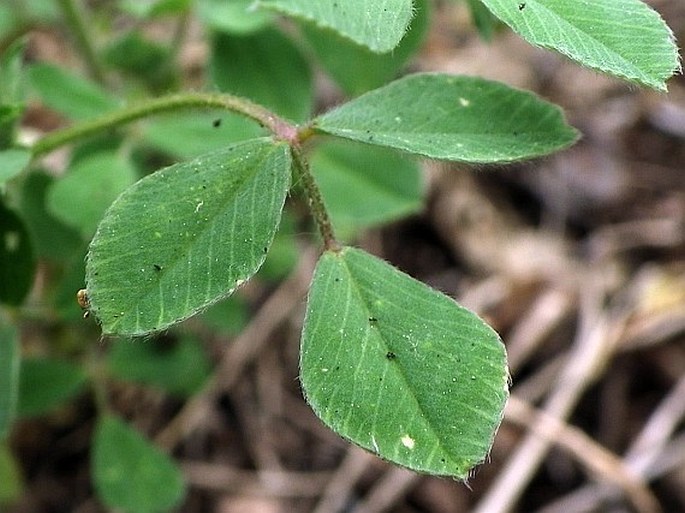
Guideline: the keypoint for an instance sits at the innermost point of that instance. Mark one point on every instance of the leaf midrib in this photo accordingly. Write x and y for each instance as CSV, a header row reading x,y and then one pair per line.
x,y
400,369
146,289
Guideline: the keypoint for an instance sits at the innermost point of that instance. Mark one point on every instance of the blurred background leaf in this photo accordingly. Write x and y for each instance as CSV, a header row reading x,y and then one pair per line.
x,y
186,135
357,69
234,17
378,25
17,257
265,67
46,383
178,367
9,378
68,93
129,473
365,185
80,198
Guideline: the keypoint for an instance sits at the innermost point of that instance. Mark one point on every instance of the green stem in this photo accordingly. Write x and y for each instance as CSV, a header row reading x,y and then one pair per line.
x,y
279,127
316,204
73,14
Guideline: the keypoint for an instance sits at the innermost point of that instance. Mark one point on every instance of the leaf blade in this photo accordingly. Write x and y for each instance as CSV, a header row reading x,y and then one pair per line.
x,y
206,228
400,369
9,377
70,94
17,257
625,38
236,17
354,67
179,368
80,198
364,185
459,118
13,162
46,383
189,135
240,65
131,474
379,25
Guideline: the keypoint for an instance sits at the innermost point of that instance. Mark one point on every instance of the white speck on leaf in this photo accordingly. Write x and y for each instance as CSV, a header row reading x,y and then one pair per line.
x,y
408,441
464,102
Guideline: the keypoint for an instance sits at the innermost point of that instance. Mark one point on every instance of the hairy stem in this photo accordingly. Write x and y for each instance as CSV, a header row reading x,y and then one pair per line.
x,y
73,15
316,203
279,127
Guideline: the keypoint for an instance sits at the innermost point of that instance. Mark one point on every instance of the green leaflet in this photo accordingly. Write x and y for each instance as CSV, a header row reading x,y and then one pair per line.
x,y
17,257
234,17
625,38
453,118
190,134
400,369
154,8
130,474
179,367
9,377
186,236
46,383
13,162
354,67
70,94
379,25
11,483
267,68
53,240
363,185
80,198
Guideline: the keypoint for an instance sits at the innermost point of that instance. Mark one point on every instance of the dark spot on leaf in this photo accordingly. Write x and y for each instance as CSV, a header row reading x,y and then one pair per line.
x,y
522,6
157,267
390,355
216,123
373,320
